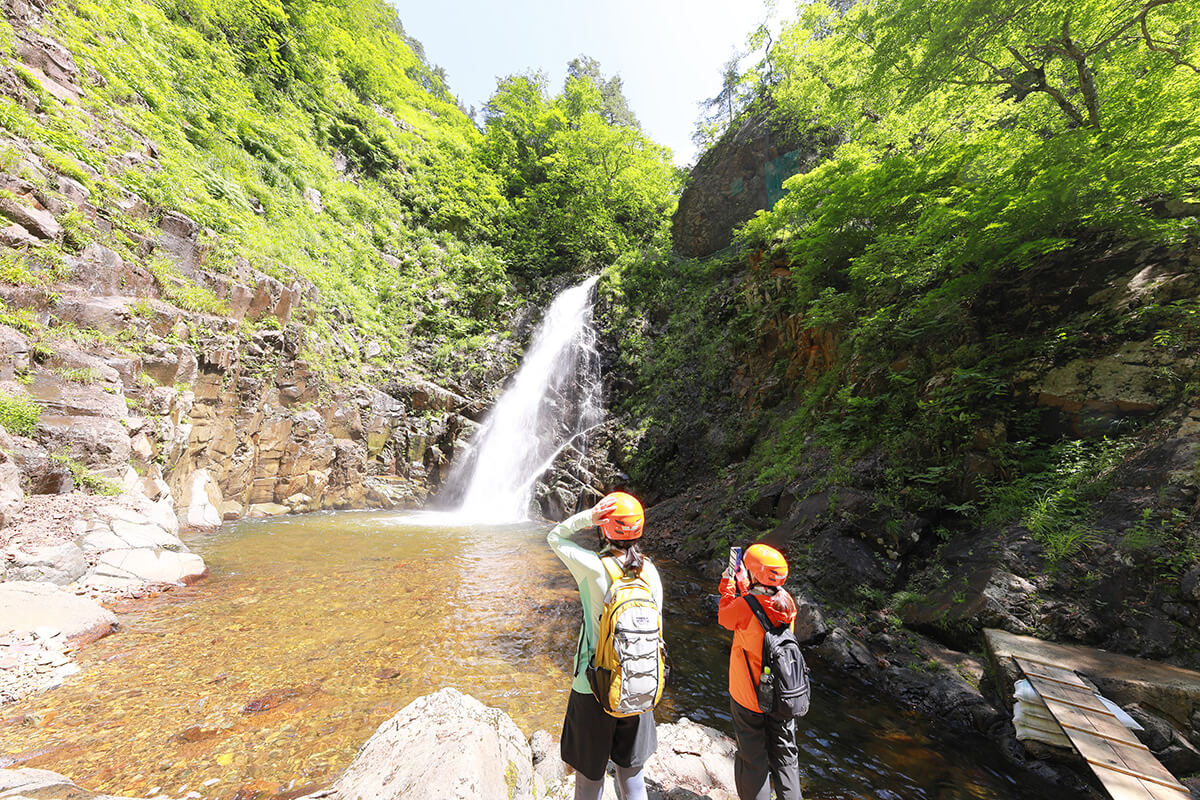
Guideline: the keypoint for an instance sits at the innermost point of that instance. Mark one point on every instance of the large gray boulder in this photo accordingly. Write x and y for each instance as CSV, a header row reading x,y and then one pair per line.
x,y
27,783
692,760
446,745
27,606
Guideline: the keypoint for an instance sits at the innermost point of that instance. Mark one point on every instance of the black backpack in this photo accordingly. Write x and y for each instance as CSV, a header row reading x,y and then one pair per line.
x,y
785,692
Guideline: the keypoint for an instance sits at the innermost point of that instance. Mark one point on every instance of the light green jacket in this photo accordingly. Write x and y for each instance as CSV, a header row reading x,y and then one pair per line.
x,y
593,582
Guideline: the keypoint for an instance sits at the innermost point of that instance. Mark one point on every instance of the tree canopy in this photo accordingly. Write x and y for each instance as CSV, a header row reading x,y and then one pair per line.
x,y
583,183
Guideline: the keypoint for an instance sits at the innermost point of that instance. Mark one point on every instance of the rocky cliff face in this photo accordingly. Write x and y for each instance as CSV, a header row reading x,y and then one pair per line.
x,y
738,176
151,380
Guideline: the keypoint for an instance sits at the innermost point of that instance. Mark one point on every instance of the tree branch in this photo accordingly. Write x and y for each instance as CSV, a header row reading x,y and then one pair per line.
x,y
1150,43
1087,79
1066,105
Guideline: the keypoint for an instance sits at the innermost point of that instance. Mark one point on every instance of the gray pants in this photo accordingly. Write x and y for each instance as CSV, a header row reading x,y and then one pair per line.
x,y
766,748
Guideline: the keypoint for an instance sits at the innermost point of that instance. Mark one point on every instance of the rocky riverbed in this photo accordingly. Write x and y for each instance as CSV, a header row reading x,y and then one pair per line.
x,y
449,745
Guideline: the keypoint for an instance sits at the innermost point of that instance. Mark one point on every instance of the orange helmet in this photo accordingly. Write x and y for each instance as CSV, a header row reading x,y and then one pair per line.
x,y
766,564
625,521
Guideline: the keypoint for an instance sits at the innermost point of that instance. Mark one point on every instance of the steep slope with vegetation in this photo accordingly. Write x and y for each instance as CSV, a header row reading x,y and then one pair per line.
x,y
959,355
258,259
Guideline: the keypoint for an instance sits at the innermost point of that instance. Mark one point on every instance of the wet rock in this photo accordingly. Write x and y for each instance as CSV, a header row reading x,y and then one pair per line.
x,y
277,697
26,606
446,745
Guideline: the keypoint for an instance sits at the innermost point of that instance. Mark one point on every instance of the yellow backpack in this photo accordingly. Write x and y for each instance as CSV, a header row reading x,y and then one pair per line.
x,y
628,671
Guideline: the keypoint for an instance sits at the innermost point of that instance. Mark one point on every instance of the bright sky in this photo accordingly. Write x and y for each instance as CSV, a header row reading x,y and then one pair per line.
x,y
669,53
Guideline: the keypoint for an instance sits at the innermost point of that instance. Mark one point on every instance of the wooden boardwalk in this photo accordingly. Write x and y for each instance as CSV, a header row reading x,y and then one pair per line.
x,y
1125,766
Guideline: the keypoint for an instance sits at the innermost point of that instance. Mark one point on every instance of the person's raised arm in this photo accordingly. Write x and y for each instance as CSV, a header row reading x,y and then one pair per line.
x,y
582,562
733,612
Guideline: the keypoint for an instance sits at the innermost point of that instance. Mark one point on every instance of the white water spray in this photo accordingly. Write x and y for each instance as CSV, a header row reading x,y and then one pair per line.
x,y
554,400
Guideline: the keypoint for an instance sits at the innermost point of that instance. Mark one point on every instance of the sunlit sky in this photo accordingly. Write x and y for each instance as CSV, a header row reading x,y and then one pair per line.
x,y
669,53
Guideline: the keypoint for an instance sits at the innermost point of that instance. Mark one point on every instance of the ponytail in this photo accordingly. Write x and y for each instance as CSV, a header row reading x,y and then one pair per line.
x,y
634,560
782,602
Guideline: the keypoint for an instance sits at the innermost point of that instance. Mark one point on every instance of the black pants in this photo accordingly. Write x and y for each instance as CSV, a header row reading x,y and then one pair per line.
x,y
766,748
591,736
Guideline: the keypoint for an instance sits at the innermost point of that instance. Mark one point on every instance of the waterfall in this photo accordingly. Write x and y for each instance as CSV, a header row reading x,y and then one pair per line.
x,y
553,401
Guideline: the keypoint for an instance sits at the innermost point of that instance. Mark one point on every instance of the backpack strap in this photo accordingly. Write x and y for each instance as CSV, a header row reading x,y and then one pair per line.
x,y
757,608
614,569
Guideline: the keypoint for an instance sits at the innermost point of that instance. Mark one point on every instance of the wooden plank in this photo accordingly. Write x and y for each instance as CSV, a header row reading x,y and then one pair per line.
x,y
1125,787
1125,766
1141,764
1053,674
1106,726
1062,694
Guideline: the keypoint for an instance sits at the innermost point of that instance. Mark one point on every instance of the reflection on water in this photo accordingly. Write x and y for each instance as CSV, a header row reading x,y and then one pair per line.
x,y
313,630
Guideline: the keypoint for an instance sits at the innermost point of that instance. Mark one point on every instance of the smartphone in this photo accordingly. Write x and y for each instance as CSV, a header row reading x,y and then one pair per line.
x,y
735,559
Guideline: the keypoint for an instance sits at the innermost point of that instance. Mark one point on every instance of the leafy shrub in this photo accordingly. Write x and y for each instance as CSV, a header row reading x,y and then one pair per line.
x,y
19,414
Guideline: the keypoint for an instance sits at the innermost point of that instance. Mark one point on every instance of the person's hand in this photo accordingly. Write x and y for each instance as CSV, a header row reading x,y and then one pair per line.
x,y
602,509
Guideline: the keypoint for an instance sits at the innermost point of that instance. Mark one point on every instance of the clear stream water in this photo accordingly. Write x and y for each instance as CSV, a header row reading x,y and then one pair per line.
x,y
263,680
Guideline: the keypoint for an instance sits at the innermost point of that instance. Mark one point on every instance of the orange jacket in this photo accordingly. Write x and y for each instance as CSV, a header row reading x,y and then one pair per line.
x,y
735,614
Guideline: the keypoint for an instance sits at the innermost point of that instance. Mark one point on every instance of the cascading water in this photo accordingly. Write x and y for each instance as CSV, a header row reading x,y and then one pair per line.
x,y
554,400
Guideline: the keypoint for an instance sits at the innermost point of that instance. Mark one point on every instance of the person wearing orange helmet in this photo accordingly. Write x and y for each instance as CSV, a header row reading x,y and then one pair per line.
x,y
767,754
591,736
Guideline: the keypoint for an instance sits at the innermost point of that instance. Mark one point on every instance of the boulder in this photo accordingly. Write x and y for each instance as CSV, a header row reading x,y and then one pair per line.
x,y
26,606
39,222
692,760
266,510
52,563
134,567
18,238
106,314
43,475
99,442
47,56
1096,393
102,271
202,501
445,745
12,497
27,782
14,352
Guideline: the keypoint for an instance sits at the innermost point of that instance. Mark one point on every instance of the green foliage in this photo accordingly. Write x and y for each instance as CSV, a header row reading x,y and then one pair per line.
x,y
249,104
182,292
583,184
93,483
14,270
85,375
19,414
23,319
